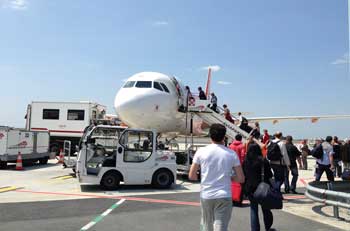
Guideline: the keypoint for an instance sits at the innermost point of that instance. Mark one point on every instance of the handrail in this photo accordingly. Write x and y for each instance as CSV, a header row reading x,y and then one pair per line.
x,y
329,196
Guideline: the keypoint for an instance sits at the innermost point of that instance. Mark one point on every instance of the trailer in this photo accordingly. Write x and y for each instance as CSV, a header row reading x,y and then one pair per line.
x,y
63,120
33,145
113,154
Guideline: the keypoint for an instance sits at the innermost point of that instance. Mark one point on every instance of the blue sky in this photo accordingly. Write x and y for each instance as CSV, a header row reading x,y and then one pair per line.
x,y
274,57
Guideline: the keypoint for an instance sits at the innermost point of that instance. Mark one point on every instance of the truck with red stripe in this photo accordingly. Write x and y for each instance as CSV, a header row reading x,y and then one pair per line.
x,y
63,120
33,146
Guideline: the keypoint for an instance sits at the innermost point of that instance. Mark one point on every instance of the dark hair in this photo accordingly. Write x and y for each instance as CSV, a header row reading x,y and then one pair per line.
x,y
329,139
278,135
335,138
289,138
238,137
224,105
254,153
199,88
217,132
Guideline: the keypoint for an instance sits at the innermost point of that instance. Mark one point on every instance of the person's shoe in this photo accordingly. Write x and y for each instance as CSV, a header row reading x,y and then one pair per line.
x,y
294,192
286,191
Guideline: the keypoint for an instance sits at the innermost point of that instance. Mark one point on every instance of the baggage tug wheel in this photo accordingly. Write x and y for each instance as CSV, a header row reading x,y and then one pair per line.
x,y
162,179
110,181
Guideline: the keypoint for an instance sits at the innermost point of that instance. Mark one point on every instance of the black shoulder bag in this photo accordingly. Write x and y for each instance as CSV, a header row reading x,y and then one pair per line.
x,y
267,196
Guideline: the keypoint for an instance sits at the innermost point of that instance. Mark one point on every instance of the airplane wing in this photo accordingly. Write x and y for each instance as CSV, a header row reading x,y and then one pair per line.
x,y
313,119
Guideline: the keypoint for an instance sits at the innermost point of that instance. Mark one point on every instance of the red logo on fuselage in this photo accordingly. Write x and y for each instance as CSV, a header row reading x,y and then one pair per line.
x,y
23,144
1,136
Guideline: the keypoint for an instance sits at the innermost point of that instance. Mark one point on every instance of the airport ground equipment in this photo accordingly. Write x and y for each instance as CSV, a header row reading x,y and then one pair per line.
x,y
112,154
63,120
336,194
33,145
210,117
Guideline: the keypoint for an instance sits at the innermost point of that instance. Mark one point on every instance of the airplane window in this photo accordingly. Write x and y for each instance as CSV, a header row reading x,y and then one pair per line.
x,y
157,86
165,87
144,84
129,84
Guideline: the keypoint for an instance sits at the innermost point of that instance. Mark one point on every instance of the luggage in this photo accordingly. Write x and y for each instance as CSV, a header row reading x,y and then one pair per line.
x,y
237,195
346,174
274,152
266,195
317,152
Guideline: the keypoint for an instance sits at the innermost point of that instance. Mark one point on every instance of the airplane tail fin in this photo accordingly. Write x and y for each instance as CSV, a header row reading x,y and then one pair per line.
x,y
207,87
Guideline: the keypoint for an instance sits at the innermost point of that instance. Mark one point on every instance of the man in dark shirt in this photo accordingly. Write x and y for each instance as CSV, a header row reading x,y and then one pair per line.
x,y
294,155
337,157
202,95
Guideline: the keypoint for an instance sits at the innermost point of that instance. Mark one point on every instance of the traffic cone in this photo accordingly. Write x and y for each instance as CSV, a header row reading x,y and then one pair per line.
x,y
61,158
19,164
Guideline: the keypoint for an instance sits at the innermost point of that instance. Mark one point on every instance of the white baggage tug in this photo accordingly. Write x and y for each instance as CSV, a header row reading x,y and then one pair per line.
x,y
113,154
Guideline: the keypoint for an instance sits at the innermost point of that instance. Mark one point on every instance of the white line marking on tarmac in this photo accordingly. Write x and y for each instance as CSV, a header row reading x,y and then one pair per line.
x,y
99,218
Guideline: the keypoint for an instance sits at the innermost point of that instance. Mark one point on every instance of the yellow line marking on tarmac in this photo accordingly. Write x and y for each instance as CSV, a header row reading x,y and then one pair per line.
x,y
8,189
63,177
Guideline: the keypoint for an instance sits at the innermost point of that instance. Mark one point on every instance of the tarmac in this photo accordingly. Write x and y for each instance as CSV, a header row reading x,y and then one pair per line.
x,y
48,197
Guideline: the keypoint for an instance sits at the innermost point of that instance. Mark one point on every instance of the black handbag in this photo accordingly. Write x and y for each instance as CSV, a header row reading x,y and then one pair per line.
x,y
267,196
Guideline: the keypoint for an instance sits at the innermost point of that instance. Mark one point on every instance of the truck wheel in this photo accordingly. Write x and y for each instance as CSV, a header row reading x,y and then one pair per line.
x,y
110,181
3,164
162,179
43,160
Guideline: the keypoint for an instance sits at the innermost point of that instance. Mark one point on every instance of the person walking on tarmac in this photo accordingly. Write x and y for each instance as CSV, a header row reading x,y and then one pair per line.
x,y
238,146
252,168
218,166
279,159
305,152
294,155
337,157
325,163
202,95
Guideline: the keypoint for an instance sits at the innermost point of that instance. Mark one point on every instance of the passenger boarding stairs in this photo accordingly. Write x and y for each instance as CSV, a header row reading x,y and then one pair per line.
x,y
210,117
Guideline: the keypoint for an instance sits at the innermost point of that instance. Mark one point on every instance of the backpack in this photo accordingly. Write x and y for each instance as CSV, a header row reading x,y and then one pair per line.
x,y
317,152
274,152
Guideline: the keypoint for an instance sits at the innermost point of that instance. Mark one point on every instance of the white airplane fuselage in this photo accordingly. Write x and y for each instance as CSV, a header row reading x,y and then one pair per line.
x,y
140,104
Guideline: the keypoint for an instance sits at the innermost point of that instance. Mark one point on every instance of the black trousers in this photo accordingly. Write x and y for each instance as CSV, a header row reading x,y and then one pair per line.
x,y
324,168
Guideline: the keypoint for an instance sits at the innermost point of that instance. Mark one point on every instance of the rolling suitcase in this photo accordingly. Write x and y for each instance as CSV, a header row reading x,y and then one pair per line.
x,y
237,196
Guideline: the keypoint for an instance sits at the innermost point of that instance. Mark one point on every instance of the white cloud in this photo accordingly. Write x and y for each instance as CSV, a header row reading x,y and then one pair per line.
x,y
160,23
224,83
342,60
213,68
14,4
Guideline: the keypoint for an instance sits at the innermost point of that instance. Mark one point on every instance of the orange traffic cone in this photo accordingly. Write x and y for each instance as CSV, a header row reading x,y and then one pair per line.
x,y
61,158
19,164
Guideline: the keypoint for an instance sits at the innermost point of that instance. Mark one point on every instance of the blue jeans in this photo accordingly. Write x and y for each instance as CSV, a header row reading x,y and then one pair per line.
x,y
254,216
278,172
295,175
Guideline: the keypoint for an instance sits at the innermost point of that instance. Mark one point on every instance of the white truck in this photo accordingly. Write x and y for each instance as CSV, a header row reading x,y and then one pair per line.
x,y
34,146
63,120
114,154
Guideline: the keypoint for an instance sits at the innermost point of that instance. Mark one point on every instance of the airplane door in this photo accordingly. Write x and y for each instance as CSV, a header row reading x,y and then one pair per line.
x,y
135,156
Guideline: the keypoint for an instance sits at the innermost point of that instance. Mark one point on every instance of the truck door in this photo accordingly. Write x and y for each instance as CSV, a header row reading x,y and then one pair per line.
x,y
135,156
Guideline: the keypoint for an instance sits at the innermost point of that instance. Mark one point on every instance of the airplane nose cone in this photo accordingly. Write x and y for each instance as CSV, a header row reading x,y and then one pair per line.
x,y
131,108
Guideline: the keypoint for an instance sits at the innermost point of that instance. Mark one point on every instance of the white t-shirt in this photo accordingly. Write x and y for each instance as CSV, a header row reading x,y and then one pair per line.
x,y
216,163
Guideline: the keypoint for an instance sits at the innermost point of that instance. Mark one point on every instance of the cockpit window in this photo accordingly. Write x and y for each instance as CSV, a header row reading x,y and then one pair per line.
x,y
144,84
157,86
129,84
164,87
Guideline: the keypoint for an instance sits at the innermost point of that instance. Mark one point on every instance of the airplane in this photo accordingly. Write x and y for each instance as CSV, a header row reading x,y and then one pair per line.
x,y
151,100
